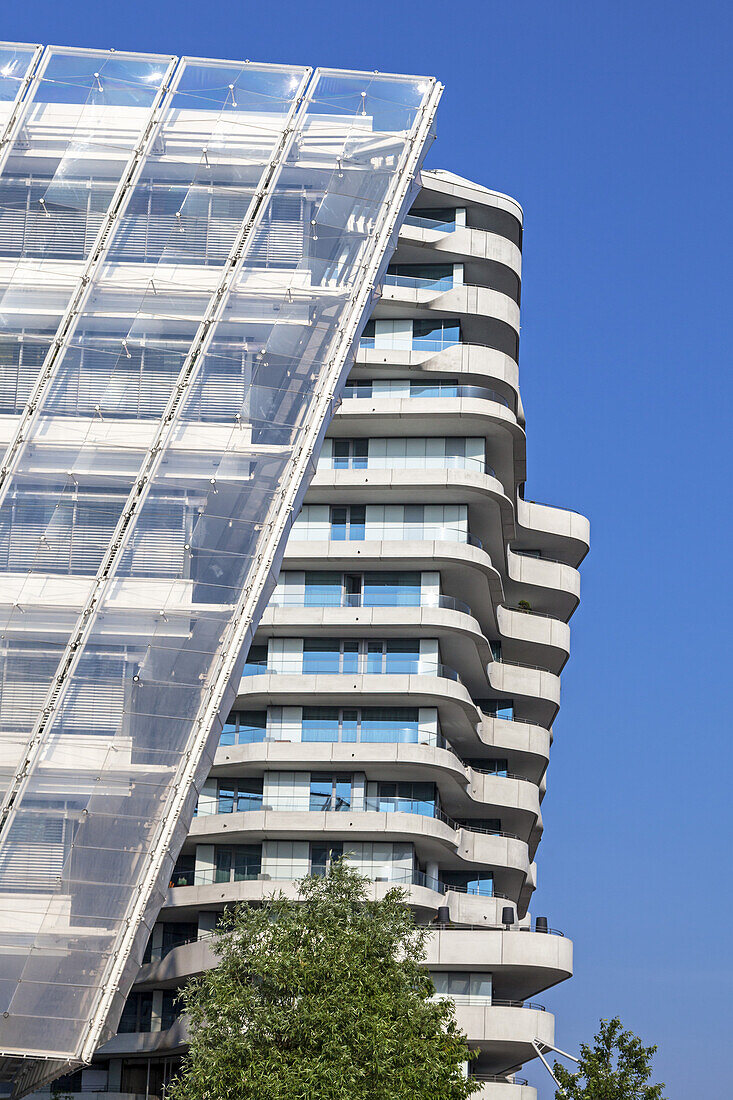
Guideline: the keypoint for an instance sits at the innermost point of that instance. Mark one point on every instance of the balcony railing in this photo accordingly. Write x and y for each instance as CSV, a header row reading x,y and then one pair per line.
x,y
315,666
385,804
417,343
387,597
416,462
442,282
430,223
482,393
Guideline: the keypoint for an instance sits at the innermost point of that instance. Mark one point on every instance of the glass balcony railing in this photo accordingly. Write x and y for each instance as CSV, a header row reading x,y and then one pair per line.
x,y
362,390
327,665
442,282
382,874
382,804
384,597
417,343
417,462
446,226
418,532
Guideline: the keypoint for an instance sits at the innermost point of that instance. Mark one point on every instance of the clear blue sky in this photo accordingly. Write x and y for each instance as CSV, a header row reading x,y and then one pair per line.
x,y
610,122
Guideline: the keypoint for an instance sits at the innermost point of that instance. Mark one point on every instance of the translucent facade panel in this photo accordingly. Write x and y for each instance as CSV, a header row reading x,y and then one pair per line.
x,y
16,63
158,476
78,127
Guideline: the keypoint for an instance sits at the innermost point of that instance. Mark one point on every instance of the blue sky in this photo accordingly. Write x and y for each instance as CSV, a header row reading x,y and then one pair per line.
x,y
610,122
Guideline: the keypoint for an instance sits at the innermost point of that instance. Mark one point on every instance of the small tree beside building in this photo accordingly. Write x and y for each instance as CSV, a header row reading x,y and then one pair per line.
x,y
322,998
616,1067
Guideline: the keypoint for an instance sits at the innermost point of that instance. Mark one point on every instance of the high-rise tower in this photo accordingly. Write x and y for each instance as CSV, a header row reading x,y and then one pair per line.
x,y
398,700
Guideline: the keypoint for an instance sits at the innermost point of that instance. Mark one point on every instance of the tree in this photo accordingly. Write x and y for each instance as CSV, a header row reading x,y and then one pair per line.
x,y
322,998
617,1067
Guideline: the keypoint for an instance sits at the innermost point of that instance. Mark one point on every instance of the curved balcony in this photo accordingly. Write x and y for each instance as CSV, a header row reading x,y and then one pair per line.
x,y
455,243
433,685
522,963
401,416
442,391
478,490
463,789
478,361
565,535
392,597
535,689
478,307
465,566
439,462
497,1087
533,634
195,891
528,740
458,632
505,1033
550,586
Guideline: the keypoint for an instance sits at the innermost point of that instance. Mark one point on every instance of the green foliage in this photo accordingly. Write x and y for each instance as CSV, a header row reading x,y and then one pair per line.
x,y
322,998
617,1067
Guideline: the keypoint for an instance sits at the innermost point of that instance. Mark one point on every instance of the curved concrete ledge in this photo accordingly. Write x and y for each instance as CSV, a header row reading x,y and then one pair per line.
x,y
498,1090
443,182
480,303
466,570
376,690
555,585
171,1041
531,741
463,790
462,243
423,485
541,635
523,963
505,1034
464,908
474,362
460,634
432,837
529,683
568,533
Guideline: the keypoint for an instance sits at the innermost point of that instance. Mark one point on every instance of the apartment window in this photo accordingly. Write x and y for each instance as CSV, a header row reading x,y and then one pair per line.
x,y
330,792
499,708
244,727
460,985
411,798
358,389
429,217
484,824
391,589
348,522
374,589
137,1015
350,454
435,335
238,863
386,725
323,589
436,276
170,1010
238,795
490,767
481,885
184,870
392,656
322,855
